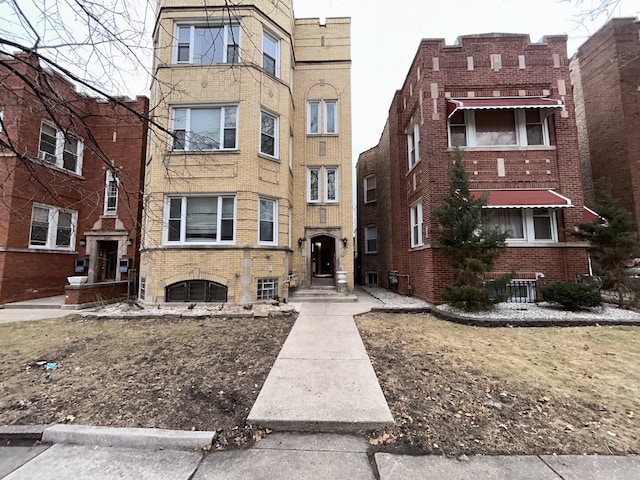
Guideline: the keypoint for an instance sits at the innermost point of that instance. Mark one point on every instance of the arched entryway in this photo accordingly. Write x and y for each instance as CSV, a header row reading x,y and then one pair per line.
x,y
323,260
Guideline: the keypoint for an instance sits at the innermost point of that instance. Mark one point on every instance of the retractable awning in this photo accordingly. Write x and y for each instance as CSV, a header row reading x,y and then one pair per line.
x,y
495,103
523,198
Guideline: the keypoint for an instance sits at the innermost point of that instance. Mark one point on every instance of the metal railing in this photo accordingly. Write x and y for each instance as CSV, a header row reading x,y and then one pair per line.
x,y
518,291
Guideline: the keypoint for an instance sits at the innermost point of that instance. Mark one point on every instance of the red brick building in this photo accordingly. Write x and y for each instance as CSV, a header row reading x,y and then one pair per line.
x,y
70,198
507,103
606,75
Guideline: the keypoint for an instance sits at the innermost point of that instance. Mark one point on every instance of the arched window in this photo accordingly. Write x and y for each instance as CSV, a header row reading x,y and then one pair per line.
x,y
196,291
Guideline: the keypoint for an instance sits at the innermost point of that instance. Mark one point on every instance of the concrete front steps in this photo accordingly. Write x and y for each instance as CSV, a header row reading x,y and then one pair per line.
x,y
320,295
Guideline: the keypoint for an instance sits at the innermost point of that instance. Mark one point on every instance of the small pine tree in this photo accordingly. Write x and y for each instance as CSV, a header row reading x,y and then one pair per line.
x,y
613,241
472,248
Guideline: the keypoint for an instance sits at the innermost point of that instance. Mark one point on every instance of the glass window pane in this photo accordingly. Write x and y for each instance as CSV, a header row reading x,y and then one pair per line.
x,y
542,224
63,235
205,129
70,154
532,115
266,210
331,184
226,227
534,134
174,230
495,127
208,45
39,226
227,207
331,117
48,141
202,214
175,207
314,185
314,117
180,119
458,136
507,220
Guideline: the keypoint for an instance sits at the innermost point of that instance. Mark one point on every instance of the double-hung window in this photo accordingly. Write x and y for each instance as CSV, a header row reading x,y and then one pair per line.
x,y
524,224
204,44
370,239
268,221
269,134
413,143
205,129
62,149
200,219
370,189
52,228
111,193
322,117
322,185
416,225
498,128
270,54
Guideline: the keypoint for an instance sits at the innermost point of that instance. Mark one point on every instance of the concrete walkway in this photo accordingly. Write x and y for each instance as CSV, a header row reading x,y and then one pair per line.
x,y
322,380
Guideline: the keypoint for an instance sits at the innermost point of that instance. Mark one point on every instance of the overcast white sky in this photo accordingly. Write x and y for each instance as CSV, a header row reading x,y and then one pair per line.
x,y
385,38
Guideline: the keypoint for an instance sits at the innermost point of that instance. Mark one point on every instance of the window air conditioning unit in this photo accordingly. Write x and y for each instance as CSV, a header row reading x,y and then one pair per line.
x,y
47,157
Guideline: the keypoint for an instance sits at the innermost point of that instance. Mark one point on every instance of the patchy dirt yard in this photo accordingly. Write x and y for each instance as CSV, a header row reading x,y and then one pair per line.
x,y
456,389
201,374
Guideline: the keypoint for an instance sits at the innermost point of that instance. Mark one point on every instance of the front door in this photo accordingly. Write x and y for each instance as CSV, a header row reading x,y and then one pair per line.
x,y
323,259
107,260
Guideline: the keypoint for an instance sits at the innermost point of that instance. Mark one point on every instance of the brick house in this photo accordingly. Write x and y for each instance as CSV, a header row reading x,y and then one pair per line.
x,y
71,198
506,102
606,74
261,199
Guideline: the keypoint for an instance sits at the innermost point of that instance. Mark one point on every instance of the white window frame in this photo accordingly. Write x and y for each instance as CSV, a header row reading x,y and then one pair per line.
x,y
413,143
57,158
368,180
528,226
323,185
224,111
322,119
417,225
520,130
367,236
183,220
268,35
276,140
53,214
1,119
110,179
228,40
274,212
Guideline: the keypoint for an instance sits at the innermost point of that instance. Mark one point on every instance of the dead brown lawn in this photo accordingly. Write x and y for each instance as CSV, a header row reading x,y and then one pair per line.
x,y
457,389
202,374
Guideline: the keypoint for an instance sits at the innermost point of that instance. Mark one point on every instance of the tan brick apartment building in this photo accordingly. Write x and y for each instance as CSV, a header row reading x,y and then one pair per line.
x,y
507,103
606,75
71,201
249,189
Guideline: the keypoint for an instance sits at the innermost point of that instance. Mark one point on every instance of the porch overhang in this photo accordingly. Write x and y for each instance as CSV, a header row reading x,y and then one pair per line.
x,y
497,103
522,198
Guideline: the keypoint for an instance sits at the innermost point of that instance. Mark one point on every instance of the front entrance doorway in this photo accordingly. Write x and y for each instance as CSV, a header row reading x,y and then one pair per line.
x,y
323,254
107,260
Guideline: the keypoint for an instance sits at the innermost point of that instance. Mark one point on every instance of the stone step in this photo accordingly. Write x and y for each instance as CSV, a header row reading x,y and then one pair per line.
x,y
314,295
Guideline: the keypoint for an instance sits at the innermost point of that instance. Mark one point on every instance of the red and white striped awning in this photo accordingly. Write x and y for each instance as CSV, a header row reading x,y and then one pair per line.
x,y
523,198
495,103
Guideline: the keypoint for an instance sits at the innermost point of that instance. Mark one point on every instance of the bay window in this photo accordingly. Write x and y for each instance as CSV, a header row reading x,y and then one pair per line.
x,y
204,44
270,54
268,221
498,128
204,129
523,224
200,219
269,134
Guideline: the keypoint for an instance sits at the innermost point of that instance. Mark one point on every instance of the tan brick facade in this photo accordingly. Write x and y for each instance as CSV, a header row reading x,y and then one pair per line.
x,y
312,63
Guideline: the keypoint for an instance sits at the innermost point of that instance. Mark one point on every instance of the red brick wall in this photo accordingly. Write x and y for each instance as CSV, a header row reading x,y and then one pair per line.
x,y
92,293
546,73
111,133
609,72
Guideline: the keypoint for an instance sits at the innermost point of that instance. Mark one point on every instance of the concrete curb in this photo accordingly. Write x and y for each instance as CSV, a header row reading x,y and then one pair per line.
x,y
140,438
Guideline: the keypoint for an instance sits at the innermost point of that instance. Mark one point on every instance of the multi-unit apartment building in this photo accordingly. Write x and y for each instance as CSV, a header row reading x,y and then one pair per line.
x,y
606,76
248,183
507,103
70,186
